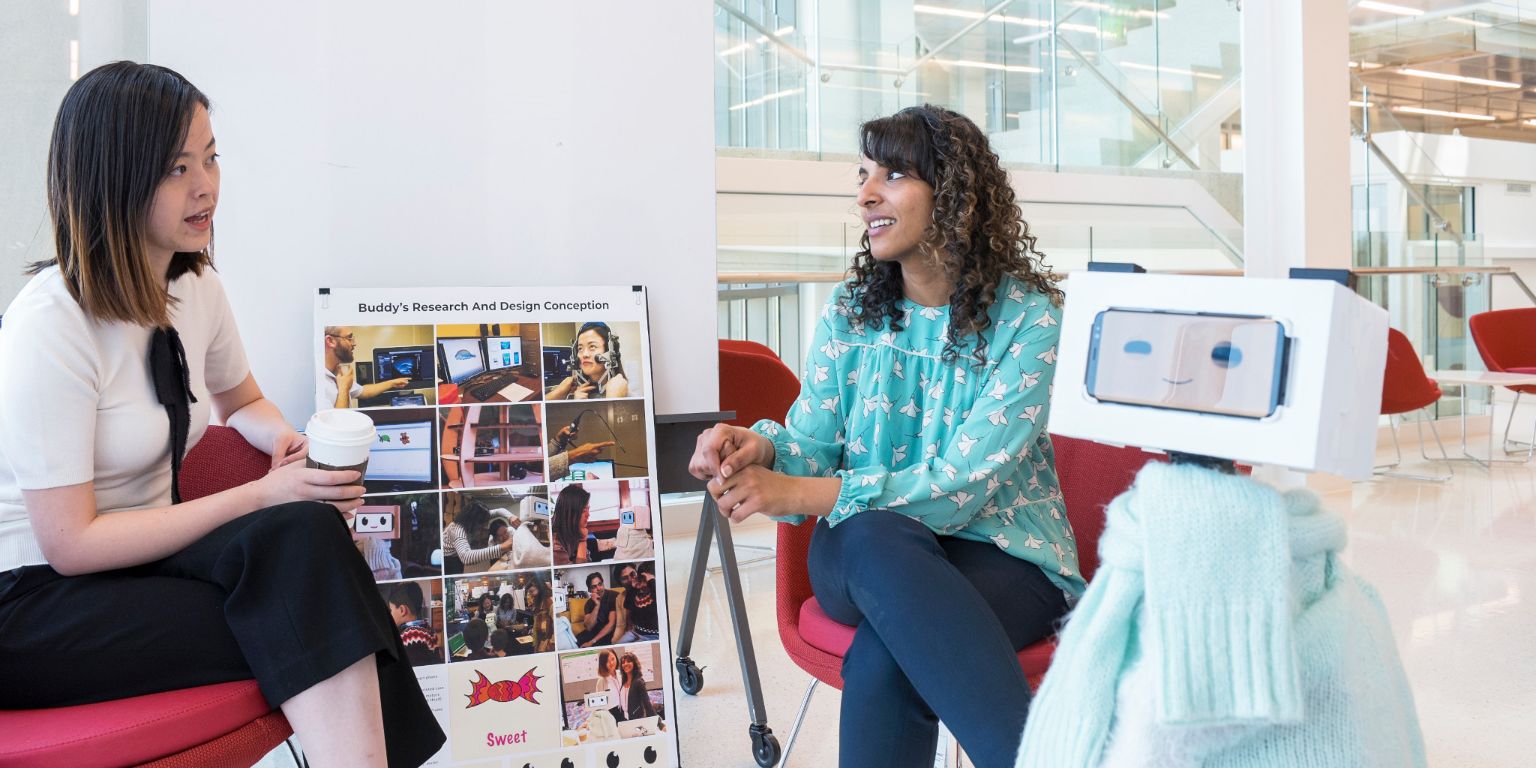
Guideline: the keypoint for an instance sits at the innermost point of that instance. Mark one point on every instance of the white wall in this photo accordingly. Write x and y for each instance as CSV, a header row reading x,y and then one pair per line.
x,y
373,144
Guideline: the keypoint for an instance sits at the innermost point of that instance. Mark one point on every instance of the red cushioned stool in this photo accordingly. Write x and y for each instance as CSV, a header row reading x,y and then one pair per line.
x,y
227,724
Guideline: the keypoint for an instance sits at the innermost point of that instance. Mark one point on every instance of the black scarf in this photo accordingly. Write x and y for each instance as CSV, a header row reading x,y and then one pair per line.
x,y
173,388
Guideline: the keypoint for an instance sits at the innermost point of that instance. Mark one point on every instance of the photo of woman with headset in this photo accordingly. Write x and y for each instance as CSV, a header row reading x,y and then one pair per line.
x,y
597,366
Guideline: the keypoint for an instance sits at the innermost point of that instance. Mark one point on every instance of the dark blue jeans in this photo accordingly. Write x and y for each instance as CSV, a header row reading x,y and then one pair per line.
x,y
939,624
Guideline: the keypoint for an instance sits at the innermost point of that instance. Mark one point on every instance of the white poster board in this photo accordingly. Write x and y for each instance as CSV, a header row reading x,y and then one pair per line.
x,y
521,415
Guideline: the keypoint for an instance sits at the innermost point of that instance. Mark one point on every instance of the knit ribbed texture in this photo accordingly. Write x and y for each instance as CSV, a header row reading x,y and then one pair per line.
x,y
1261,649
1217,613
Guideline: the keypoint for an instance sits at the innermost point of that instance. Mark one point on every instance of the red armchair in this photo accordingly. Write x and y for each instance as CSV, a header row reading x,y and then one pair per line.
x,y
1405,387
228,724
1506,339
754,383
1091,475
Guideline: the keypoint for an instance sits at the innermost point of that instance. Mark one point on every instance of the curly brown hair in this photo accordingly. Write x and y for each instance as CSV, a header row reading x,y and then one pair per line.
x,y
977,234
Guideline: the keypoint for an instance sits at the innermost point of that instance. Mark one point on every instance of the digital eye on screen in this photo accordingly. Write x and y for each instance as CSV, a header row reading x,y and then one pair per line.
x,y
1226,355
1138,347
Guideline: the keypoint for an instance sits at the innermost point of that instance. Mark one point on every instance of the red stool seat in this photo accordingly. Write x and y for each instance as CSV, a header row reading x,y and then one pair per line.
x,y
228,724
823,633
130,731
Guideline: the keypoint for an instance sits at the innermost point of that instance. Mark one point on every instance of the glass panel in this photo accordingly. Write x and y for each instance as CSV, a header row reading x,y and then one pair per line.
x,y
1062,84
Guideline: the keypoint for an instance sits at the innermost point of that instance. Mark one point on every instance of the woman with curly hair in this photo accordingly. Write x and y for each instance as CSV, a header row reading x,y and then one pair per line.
x,y
919,440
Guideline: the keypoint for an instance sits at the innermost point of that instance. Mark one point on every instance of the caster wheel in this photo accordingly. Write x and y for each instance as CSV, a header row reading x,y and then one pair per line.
x,y
689,677
765,746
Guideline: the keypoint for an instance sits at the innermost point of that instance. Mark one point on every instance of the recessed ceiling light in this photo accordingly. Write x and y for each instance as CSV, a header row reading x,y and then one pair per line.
x,y
1170,70
989,65
1457,78
765,99
1401,10
1441,113
933,10
760,40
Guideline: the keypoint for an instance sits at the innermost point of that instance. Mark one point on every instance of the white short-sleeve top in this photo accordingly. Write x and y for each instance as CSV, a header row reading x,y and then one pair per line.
x,y
77,402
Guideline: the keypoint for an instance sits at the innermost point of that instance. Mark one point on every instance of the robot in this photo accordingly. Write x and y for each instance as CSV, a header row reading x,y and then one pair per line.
x,y
1221,630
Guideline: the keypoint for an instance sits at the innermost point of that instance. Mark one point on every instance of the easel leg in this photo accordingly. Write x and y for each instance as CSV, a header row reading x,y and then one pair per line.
x,y
689,676
765,746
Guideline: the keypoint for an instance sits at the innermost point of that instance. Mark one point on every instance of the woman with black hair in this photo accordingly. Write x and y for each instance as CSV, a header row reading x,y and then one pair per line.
x,y
470,525
919,440
637,701
113,358
572,543
599,368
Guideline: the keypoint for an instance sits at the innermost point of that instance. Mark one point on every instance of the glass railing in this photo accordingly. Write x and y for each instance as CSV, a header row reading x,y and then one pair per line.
x,y
820,233
1437,284
1061,83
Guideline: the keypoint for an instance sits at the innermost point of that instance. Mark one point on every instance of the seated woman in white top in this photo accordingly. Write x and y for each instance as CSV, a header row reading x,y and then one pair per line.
x,y
112,359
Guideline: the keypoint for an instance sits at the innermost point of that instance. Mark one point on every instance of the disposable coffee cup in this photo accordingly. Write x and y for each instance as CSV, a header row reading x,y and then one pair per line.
x,y
340,439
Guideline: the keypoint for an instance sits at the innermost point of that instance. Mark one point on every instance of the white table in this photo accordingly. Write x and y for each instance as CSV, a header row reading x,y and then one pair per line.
x,y
1489,379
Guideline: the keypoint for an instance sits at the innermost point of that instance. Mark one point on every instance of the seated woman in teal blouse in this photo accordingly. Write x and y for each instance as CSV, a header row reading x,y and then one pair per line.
x,y
919,440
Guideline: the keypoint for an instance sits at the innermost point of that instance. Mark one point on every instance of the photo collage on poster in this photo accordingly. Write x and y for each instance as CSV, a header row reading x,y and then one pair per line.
x,y
508,521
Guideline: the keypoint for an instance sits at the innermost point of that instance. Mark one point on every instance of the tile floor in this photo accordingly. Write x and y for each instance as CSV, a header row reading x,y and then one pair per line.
x,y
1455,563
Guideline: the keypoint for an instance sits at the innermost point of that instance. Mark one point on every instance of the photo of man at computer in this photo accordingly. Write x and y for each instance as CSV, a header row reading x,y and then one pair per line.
x,y
400,536
376,366
593,359
612,693
487,363
491,616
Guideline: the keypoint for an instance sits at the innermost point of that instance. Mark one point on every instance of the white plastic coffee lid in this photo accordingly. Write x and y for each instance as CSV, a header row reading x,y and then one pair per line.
x,y
341,427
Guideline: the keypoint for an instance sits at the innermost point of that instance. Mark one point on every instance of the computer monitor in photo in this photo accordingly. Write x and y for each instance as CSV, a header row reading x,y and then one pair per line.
x,y
583,471
414,363
403,454
557,365
462,358
503,352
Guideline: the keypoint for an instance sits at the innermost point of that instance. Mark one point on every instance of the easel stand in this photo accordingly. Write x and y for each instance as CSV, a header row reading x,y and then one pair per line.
x,y
765,746
675,435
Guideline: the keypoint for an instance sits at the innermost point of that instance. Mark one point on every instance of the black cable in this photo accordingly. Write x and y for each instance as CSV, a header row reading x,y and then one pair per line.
x,y
576,425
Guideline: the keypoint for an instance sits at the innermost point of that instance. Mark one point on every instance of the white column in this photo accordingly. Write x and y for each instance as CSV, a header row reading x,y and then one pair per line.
x,y
1295,135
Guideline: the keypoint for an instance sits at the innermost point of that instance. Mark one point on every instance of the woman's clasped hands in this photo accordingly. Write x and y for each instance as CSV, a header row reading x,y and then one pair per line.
x,y
737,465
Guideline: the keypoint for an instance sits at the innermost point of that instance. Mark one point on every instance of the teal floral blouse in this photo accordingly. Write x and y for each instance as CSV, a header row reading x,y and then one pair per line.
x,y
961,449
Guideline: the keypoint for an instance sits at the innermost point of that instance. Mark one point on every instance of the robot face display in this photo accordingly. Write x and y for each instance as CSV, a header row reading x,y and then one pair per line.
x,y
1284,373
1223,364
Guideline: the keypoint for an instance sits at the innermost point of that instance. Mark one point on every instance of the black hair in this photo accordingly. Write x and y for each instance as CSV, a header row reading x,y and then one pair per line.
x,y
475,633
566,520
115,138
406,594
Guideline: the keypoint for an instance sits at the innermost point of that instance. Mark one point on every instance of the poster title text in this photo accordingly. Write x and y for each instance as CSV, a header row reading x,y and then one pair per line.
x,y
396,307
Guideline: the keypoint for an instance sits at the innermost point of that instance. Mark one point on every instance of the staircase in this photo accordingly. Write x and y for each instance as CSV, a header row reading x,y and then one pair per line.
x,y
1174,63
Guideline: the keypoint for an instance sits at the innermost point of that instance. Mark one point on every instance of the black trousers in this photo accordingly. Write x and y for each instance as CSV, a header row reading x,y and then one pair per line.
x,y
939,621
280,594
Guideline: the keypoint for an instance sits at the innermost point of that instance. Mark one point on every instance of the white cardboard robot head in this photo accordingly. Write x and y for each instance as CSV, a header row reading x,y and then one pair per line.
x,y
1278,372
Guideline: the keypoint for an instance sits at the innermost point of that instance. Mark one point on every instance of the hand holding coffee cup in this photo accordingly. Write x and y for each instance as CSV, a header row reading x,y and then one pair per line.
x,y
288,447
338,442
